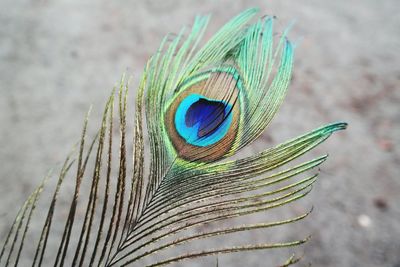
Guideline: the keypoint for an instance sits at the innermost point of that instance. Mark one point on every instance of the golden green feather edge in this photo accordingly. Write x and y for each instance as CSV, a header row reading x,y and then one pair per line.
x,y
145,211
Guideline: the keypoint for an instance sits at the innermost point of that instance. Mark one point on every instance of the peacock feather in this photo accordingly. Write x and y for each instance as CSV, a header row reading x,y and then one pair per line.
x,y
201,105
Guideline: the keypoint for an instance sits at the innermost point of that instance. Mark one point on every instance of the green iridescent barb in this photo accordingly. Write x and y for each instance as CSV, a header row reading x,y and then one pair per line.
x,y
200,105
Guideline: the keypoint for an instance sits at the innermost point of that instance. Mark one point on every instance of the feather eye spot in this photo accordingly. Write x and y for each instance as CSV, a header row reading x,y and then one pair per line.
x,y
202,120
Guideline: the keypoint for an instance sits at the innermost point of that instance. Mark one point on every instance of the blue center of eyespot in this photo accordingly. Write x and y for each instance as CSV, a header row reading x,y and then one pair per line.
x,y
202,121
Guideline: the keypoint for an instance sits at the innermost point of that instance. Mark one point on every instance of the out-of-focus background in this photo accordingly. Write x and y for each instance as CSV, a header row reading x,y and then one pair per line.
x,y
57,57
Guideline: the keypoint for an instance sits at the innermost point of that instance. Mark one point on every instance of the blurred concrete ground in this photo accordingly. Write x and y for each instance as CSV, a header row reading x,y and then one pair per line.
x,y
59,56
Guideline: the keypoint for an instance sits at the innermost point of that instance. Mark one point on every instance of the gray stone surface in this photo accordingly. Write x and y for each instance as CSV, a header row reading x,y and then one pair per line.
x,y
58,57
